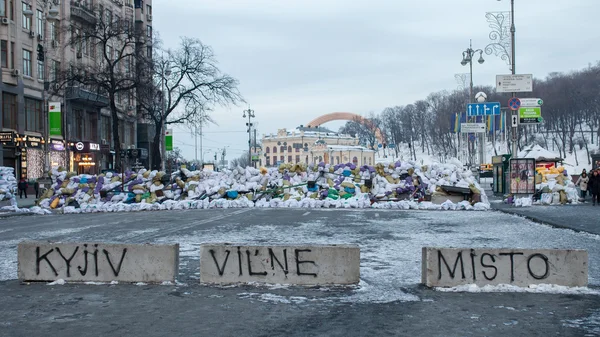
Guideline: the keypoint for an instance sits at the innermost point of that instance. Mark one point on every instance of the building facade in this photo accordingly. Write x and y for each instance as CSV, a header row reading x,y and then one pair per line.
x,y
44,125
313,145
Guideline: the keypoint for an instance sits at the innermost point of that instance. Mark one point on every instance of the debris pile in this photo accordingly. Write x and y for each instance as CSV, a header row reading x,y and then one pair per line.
x,y
396,185
8,184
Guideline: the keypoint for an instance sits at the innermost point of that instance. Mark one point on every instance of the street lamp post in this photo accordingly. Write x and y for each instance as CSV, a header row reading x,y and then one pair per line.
x,y
50,14
250,114
512,51
165,73
468,59
499,46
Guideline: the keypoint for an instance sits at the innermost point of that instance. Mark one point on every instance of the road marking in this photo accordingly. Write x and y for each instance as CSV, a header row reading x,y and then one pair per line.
x,y
305,214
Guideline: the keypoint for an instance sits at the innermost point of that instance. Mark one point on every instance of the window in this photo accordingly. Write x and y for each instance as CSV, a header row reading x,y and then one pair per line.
x,y
268,161
106,128
297,149
55,70
149,31
289,149
149,9
132,134
78,124
26,20
26,62
92,129
289,159
267,150
4,53
33,115
281,158
40,70
149,51
282,149
108,17
3,8
9,111
12,55
274,149
39,16
297,159
12,10
53,31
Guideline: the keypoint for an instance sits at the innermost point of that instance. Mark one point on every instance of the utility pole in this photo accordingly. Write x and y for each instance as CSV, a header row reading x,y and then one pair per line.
x,y
250,114
253,164
196,142
512,40
223,157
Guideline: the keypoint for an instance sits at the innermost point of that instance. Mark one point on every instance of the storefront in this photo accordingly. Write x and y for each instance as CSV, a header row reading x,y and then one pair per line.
x,y
85,157
32,157
9,153
58,153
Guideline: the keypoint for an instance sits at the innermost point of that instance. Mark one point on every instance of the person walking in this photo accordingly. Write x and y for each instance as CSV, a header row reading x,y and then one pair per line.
x,y
36,187
594,187
582,182
22,188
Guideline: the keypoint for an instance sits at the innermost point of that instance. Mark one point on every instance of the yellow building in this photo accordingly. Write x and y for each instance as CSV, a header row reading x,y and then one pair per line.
x,y
313,145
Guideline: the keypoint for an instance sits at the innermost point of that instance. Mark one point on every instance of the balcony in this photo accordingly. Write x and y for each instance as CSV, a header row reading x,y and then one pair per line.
x,y
86,97
80,12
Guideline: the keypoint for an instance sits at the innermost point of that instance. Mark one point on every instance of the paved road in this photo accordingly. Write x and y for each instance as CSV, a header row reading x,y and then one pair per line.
x,y
581,217
389,300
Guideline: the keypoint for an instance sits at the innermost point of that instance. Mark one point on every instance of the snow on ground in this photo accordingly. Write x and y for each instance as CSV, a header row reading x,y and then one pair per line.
x,y
391,251
8,249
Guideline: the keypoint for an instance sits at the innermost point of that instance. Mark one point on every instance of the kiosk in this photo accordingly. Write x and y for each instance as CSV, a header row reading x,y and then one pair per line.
x,y
500,172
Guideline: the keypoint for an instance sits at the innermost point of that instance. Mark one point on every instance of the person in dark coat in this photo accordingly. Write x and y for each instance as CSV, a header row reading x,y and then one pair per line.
x,y
36,187
22,188
594,187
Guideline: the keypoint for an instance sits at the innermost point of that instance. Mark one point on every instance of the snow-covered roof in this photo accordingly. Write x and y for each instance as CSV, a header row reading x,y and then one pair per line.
x,y
348,148
538,153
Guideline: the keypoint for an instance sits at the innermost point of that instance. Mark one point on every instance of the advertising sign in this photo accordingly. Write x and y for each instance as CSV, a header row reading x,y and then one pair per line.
x,y
169,140
530,115
522,176
54,119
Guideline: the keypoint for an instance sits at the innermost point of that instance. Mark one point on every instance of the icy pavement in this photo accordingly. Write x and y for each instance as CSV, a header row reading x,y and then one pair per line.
x,y
390,241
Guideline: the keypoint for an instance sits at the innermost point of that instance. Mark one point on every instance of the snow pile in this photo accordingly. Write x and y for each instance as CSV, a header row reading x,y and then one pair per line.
x,y
400,185
8,184
532,288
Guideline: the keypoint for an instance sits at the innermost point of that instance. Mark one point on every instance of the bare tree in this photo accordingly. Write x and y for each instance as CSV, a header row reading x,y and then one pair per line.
x,y
241,161
193,85
111,43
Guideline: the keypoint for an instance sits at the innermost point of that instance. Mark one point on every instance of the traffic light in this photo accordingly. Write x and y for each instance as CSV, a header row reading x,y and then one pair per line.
x,y
40,52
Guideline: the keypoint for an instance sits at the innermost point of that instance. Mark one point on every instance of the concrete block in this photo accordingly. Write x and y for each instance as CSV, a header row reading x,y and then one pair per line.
x,y
97,262
225,263
449,267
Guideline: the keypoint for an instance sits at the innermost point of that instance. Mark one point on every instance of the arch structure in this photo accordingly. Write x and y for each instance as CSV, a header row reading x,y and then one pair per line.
x,y
347,116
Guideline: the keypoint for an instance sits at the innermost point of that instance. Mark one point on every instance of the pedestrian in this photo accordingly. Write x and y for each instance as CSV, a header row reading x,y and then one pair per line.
x,y
36,187
582,182
22,188
594,187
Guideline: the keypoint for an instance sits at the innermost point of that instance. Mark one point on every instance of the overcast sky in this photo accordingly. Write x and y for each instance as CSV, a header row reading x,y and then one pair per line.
x,y
299,59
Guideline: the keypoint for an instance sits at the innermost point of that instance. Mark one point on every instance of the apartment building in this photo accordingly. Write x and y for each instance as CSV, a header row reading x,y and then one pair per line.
x,y
67,126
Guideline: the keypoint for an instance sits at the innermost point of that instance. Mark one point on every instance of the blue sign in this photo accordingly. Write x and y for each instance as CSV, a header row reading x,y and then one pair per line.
x,y
483,109
380,145
391,146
